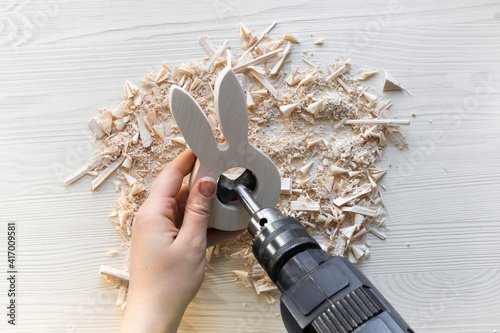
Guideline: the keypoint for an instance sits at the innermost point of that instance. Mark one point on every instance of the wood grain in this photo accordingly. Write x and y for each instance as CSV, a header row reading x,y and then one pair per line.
x,y
442,195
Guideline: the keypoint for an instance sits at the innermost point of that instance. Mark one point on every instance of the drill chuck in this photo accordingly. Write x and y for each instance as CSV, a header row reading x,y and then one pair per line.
x,y
276,239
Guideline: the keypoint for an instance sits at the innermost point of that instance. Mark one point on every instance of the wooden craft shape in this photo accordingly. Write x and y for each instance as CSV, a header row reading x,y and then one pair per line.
x,y
214,158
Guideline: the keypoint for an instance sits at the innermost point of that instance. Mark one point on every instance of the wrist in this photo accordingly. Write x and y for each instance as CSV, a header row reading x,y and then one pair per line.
x,y
145,318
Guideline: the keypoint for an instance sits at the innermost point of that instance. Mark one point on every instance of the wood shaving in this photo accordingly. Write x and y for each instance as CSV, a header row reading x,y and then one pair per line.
x,y
265,82
112,253
257,61
316,107
130,89
308,62
339,71
106,173
242,275
371,98
245,33
321,128
388,122
114,273
286,186
361,210
305,205
390,83
95,126
279,64
77,175
367,73
287,109
290,38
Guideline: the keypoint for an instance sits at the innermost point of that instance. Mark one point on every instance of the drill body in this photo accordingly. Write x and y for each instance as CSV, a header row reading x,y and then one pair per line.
x,y
320,294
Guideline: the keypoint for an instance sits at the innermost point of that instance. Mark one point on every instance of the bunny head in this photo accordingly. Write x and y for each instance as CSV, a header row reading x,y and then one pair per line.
x,y
214,159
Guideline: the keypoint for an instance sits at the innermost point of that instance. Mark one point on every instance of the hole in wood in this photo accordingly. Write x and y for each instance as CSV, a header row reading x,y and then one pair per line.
x,y
226,195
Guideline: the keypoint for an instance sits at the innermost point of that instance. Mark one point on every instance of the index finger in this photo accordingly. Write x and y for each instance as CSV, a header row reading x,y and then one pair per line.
x,y
169,181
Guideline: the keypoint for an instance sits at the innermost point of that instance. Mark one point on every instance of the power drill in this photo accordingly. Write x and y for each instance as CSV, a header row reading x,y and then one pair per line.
x,y
319,293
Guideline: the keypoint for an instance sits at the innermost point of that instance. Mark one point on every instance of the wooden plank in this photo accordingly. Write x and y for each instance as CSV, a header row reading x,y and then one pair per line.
x,y
442,194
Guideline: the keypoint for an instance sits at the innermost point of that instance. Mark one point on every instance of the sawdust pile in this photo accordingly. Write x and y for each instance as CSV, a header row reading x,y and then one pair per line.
x,y
323,130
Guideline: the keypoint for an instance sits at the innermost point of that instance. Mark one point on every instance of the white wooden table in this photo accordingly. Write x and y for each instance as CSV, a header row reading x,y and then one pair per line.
x,y
440,265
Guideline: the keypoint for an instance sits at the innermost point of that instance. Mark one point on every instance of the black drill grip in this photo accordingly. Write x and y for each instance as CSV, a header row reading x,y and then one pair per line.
x,y
331,295
320,294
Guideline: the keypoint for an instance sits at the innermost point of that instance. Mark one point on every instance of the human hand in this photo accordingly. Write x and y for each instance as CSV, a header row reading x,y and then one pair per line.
x,y
167,258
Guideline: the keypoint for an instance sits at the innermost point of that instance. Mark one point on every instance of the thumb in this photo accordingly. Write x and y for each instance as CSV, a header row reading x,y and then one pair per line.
x,y
193,232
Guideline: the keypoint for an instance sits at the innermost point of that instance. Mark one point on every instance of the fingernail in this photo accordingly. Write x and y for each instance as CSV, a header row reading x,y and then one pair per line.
x,y
207,187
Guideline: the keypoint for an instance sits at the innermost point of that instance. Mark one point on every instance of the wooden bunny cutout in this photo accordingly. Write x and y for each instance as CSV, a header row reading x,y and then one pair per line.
x,y
214,159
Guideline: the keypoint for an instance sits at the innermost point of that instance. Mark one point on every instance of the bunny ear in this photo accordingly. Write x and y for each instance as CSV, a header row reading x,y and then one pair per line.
x,y
231,107
192,123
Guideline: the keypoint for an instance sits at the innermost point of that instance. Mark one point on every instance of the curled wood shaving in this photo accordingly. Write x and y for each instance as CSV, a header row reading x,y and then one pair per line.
x,y
390,83
290,38
245,33
316,107
242,275
341,70
308,79
96,128
144,132
287,109
130,89
367,73
371,98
